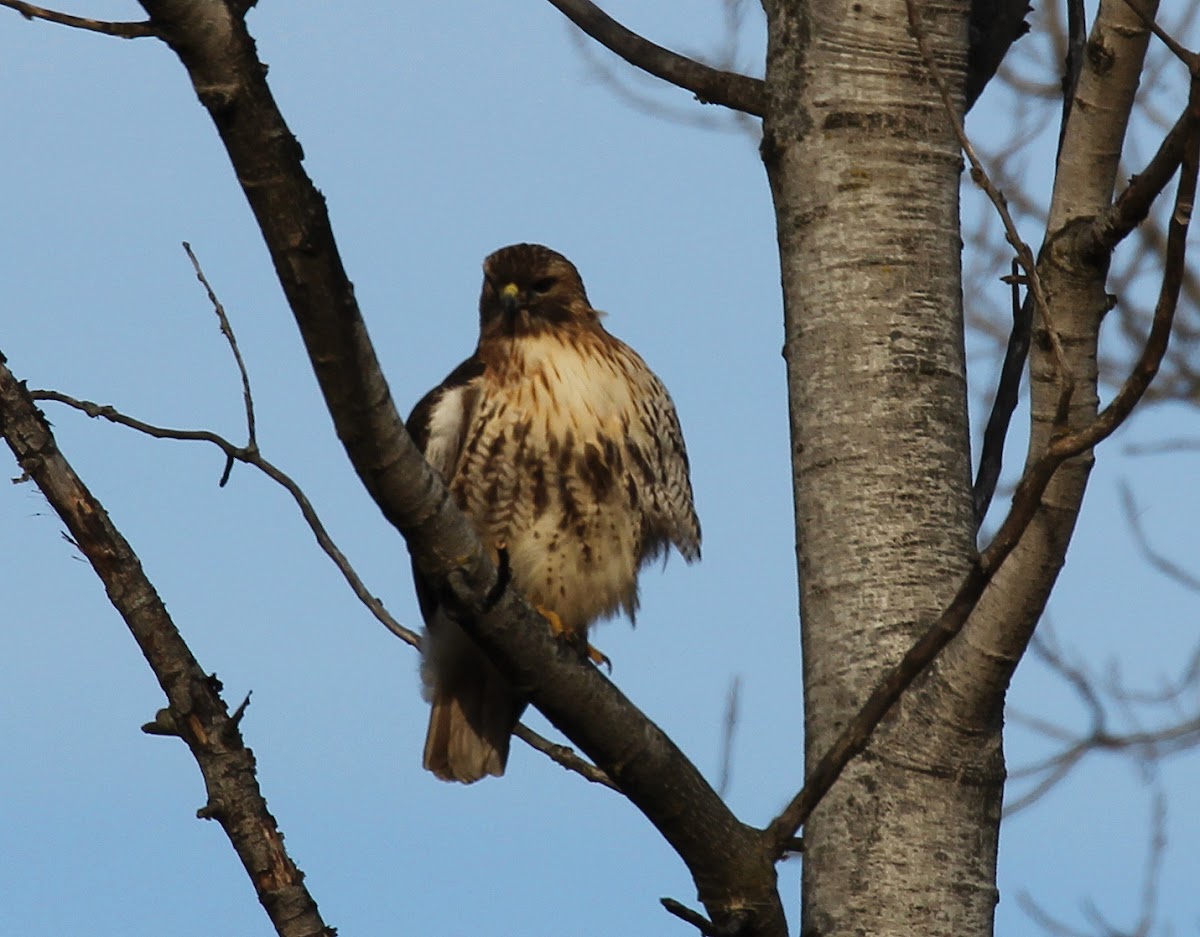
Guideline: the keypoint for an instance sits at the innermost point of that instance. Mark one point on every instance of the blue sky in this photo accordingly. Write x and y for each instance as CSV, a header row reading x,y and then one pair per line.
x,y
437,132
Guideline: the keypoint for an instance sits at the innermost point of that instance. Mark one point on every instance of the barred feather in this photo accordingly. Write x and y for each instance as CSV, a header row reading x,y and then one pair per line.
x,y
563,447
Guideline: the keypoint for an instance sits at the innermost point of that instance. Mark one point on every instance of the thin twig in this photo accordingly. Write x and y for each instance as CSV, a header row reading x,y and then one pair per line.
x,y
983,180
710,85
227,331
122,30
561,754
564,756
255,458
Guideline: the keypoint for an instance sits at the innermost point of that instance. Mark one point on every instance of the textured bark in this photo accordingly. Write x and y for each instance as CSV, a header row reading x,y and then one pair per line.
x,y
864,170
1073,273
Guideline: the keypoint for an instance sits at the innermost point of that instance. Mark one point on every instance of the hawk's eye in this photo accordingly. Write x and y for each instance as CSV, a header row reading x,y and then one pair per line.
x,y
544,285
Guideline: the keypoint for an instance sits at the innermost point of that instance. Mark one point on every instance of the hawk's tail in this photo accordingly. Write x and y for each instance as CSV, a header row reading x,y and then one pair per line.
x,y
475,710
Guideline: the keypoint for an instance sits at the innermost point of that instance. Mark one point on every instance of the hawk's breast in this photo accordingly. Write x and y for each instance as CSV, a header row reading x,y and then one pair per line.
x,y
559,465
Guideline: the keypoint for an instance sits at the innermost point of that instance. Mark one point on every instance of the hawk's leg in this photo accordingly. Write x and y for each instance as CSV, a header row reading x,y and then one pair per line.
x,y
574,638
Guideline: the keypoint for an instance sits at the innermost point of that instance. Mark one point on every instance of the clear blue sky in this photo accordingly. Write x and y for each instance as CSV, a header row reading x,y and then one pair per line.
x,y
437,132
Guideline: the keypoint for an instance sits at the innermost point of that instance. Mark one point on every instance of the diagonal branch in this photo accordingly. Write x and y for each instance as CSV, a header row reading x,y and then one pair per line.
x,y
231,338
250,455
1133,205
122,30
1008,392
710,85
980,177
725,857
196,711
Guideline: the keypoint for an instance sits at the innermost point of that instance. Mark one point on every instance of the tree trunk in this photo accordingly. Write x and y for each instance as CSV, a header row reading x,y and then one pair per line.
x,y
864,170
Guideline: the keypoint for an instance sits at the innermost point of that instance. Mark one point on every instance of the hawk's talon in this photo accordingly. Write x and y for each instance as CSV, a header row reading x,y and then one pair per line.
x,y
574,638
599,658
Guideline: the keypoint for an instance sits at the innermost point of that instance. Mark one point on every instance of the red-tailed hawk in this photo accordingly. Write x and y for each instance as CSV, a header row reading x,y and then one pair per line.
x,y
564,450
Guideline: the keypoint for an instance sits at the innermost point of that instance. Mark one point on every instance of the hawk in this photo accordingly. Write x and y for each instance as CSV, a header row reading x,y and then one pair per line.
x,y
564,450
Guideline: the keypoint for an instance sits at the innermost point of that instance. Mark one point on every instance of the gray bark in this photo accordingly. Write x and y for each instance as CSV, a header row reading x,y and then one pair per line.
x,y
864,169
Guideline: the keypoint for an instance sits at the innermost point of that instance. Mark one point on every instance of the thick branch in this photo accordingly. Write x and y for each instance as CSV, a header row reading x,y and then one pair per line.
x,y
994,26
196,713
726,858
1027,502
710,85
1134,204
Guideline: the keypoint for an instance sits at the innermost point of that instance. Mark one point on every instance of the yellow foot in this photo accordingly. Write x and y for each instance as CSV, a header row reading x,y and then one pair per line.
x,y
575,638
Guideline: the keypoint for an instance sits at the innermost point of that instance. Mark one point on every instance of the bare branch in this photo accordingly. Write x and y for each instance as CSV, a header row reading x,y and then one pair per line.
x,y
196,712
1190,59
1146,745
1151,881
726,858
620,81
1133,205
564,756
250,456
1008,391
710,85
121,30
1076,41
561,754
1025,505
227,331
994,26
684,913
730,727
1158,340
980,177
1164,448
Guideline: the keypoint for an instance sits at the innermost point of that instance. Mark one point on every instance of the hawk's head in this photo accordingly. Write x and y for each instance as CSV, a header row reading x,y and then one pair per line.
x,y
527,289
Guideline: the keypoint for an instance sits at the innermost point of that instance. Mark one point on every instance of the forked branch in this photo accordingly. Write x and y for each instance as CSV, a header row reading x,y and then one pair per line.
x,y
196,711
1025,505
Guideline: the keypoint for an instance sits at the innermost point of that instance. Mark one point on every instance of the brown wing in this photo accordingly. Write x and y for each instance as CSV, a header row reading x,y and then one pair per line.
x,y
658,467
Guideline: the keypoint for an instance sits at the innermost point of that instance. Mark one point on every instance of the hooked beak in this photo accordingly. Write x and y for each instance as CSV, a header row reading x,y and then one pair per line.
x,y
510,297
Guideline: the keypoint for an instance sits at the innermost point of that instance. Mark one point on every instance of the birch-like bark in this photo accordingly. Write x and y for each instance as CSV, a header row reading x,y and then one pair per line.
x,y
864,170
1074,275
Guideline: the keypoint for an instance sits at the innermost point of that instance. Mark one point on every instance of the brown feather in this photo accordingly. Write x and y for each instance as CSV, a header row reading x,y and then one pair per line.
x,y
562,447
